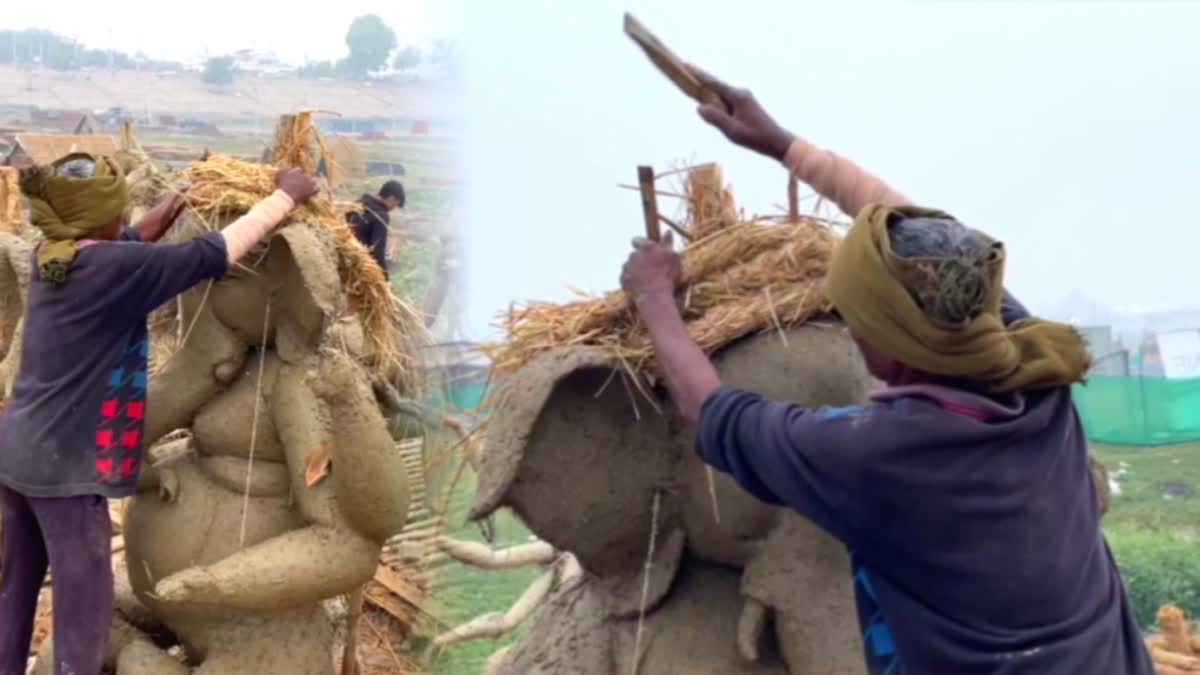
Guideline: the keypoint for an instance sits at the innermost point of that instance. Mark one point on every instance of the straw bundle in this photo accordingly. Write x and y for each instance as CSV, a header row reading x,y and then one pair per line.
x,y
1176,646
298,143
223,187
11,219
743,276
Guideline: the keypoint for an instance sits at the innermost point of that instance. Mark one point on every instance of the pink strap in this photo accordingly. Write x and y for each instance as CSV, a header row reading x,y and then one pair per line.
x,y
957,401
838,179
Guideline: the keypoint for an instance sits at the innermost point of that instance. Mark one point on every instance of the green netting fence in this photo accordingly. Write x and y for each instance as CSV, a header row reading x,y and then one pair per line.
x,y
1132,410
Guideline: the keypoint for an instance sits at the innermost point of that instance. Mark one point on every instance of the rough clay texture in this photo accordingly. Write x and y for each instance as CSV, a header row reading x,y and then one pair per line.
x,y
581,459
254,606
16,255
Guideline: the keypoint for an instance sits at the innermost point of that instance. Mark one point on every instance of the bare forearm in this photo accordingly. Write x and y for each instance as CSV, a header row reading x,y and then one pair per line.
x,y
838,179
155,223
245,232
689,373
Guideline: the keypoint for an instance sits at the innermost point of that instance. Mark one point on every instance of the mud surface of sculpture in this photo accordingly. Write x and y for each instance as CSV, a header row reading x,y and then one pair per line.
x,y
15,261
600,473
288,487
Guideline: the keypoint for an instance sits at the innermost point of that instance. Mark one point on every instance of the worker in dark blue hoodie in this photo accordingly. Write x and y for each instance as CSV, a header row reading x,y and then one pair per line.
x,y
371,226
962,491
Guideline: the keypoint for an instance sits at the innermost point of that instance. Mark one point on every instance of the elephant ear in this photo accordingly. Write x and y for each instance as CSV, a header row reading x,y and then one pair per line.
x,y
579,458
303,267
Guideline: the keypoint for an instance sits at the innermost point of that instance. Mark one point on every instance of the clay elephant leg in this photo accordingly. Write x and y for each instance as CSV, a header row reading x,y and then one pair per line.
x,y
803,575
695,630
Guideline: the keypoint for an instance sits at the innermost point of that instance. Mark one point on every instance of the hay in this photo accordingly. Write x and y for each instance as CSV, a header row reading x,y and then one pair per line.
x,y
740,277
11,217
222,187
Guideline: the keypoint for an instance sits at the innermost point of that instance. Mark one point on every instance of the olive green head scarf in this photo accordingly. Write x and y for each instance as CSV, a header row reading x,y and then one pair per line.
x,y
68,209
890,303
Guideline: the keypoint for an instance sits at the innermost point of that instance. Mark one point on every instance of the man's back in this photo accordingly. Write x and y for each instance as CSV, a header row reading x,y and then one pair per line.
x,y
972,523
371,228
73,423
983,541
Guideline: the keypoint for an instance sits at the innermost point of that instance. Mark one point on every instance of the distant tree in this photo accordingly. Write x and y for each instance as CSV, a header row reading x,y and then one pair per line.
x,y
63,53
318,69
370,41
445,56
218,71
407,59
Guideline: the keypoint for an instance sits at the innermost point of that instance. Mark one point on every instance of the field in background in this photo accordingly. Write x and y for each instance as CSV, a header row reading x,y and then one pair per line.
x,y
1153,527
467,592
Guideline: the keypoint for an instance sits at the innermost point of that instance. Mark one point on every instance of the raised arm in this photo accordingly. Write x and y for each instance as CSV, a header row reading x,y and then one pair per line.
x,y
155,223
835,178
838,179
162,271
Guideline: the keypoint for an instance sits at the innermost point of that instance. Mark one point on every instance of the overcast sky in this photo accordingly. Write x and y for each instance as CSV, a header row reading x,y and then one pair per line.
x,y
1068,129
295,31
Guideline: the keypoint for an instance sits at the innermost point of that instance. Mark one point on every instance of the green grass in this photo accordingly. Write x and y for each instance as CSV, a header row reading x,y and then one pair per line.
x,y
467,592
1145,502
1152,526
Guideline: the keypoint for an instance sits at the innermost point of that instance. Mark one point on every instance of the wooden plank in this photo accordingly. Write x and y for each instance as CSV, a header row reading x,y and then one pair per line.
x,y
401,586
669,64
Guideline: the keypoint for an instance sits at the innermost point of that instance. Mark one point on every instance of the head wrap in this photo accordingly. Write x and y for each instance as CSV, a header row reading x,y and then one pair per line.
x,y
68,209
890,303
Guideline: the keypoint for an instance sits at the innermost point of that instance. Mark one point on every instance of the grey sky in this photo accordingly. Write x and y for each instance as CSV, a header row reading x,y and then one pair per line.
x,y
184,31
1067,129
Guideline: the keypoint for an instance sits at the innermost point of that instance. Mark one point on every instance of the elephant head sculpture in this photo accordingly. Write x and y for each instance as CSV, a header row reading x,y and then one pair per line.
x,y
600,471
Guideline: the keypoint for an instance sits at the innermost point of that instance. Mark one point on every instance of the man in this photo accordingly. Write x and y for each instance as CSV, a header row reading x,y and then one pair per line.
x,y
371,226
962,491
71,433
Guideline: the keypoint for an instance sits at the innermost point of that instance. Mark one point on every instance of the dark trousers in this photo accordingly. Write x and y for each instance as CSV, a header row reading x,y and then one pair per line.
x,y
73,535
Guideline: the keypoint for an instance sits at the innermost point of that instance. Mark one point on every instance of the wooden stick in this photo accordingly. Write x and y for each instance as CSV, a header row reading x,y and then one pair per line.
x,y
649,203
793,199
675,226
671,65
354,604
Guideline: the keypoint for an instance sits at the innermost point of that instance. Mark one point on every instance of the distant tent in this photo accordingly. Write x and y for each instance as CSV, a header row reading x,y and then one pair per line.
x,y
86,126
30,149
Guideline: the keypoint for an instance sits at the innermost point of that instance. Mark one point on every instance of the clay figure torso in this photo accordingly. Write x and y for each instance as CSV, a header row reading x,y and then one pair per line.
x,y
249,549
